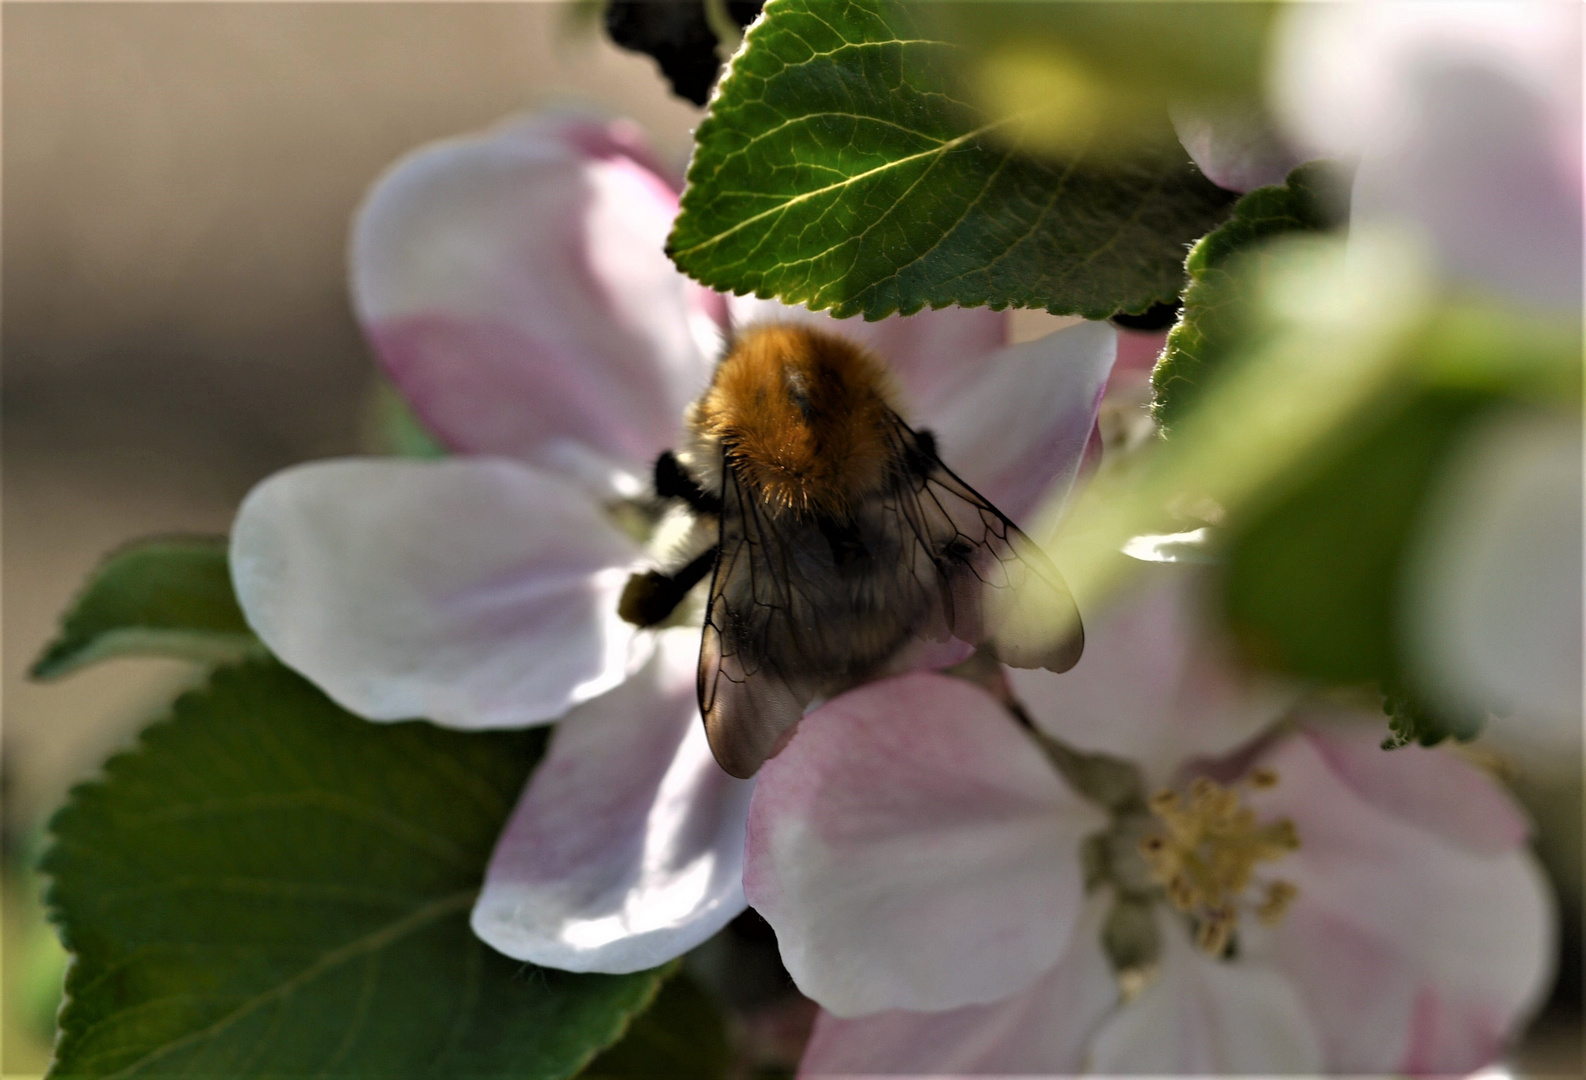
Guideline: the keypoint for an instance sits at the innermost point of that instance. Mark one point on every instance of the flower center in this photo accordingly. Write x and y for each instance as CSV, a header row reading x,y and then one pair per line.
x,y
1204,852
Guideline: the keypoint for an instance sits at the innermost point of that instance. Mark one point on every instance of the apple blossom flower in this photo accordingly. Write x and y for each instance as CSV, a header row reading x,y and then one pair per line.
x,y
1292,900
513,285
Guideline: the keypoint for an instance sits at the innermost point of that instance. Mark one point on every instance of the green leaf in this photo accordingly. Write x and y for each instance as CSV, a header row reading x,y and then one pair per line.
x,y
392,427
166,596
1081,73
1312,577
840,167
269,886
681,1035
1411,721
1219,296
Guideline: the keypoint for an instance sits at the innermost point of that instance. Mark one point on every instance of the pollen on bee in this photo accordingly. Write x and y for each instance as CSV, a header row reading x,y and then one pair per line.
x,y
803,418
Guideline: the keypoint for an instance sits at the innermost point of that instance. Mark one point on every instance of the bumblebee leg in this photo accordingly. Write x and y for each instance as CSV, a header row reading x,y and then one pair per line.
x,y
671,482
648,598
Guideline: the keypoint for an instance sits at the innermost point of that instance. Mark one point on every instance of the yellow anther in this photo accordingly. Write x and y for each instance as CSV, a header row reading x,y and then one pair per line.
x,y
1280,894
1206,852
1262,778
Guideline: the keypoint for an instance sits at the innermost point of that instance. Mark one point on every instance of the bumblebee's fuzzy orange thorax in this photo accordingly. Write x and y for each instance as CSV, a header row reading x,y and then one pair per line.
x,y
803,416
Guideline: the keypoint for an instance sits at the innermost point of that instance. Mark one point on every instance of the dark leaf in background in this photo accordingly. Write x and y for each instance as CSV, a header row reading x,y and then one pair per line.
x,y
841,167
1314,199
682,1035
1410,720
269,886
678,35
166,596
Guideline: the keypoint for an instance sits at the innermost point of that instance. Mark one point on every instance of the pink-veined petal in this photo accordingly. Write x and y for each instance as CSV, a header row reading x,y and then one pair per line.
x,y
626,849
932,352
1042,1031
514,285
1017,427
477,593
1156,684
1205,1017
1391,916
913,849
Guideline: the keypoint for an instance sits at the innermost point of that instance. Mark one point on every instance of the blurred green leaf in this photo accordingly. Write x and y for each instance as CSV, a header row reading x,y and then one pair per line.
x,y
682,1035
1312,577
1410,720
842,167
1218,299
391,426
1066,74
166,596
269,886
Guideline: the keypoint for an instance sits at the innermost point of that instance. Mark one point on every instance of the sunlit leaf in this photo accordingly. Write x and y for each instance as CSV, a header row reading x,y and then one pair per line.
x,y
269,886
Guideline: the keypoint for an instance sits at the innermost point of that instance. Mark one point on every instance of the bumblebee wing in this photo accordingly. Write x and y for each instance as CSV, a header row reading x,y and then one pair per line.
x,y
747,693
995,586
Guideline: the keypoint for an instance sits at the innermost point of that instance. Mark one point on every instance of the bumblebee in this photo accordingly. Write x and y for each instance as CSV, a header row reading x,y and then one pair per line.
x,y
840,540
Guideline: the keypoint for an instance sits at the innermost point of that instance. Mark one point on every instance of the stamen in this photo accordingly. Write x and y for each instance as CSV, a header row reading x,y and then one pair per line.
x,y
1206,852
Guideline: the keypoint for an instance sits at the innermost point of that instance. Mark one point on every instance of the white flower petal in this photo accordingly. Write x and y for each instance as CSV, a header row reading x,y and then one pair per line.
x,y
1392,919
1016,428
477,593
1201,1016
913,849
627,847
1156,684
1042,1031
515,286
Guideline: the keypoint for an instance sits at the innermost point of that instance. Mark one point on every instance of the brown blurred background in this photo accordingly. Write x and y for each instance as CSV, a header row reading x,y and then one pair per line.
x,y
177,185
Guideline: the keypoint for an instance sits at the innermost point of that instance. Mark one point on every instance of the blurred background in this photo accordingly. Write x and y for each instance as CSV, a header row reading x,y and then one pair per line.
x,y
178,181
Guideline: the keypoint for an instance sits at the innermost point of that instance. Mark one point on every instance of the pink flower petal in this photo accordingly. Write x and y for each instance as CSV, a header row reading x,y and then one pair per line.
x,y
1466,121
1202,1016
1389,911
478,593
1156,684
1043,1031
1235,148
913,849
627,847
932,353
1429,787
514,285
1016,427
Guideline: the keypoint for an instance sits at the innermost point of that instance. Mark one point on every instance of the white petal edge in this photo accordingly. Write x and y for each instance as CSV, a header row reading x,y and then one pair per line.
x,y
626,849
473,592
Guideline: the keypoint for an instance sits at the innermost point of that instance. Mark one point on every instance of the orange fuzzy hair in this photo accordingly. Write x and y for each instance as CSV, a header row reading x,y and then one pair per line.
x,y
804,417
